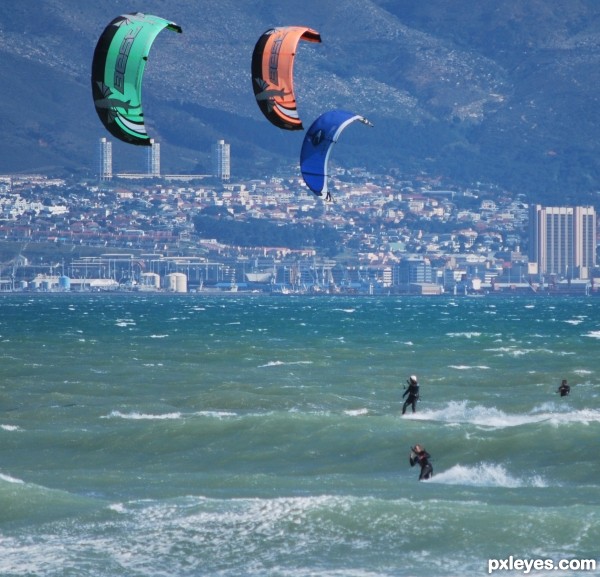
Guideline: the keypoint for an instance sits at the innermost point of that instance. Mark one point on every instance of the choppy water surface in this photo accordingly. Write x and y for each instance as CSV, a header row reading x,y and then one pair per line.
x,y
147,436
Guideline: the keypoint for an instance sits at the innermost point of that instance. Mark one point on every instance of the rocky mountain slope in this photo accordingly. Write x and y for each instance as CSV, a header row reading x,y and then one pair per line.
x,y
502,92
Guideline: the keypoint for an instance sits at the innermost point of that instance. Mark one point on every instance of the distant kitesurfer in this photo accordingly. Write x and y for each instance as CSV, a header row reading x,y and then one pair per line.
x,y
564,388
419,455
413,394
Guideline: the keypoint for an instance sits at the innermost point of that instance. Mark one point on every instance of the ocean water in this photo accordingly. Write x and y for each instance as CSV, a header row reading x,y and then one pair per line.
x,y
192,435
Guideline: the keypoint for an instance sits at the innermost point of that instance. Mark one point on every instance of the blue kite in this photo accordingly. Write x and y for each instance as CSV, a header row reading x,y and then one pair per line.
x,y
319,139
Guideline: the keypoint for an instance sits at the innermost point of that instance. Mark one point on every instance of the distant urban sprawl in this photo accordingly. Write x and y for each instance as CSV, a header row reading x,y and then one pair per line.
x,y
383,234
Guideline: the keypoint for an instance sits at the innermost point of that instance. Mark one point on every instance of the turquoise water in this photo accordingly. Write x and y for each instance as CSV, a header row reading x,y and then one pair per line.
x,y
192,435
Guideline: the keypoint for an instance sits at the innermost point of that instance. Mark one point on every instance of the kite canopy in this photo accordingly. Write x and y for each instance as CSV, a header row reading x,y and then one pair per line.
x,y
117,70
272,73
319,139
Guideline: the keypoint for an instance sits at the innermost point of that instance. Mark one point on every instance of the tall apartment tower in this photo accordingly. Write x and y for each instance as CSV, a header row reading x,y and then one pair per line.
x,y
153,168
562,240
105,159
221,160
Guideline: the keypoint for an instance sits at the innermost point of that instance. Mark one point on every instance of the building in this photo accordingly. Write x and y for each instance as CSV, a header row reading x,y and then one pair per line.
x,y
562,241
105,171
153,167
221,160
414,270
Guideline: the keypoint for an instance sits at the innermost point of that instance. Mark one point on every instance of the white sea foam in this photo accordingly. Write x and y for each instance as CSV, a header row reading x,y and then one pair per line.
x,y
158,336
519,352
282,363
584,416
582,372
463,412
467,367
10,428
142,416
593,334
10,479
484,475
458,412
356,412
216,414
137,416
468,335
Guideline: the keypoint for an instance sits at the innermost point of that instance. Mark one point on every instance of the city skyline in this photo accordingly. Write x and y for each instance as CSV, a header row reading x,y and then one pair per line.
x,y
385,229
220,161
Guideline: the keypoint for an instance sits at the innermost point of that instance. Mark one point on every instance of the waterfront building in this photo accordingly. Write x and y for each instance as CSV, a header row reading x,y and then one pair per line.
x,y
105,171
562,241
153,165
221,160
414,270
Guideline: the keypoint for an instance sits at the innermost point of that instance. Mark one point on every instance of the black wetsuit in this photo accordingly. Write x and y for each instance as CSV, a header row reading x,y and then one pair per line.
x,y
413,397
423,459
564,390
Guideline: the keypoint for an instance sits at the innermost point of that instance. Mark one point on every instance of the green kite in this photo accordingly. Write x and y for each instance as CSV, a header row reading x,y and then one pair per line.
x,y
117,70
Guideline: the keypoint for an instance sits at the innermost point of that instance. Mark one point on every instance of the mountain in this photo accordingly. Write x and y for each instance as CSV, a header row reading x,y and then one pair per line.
x,y
501,92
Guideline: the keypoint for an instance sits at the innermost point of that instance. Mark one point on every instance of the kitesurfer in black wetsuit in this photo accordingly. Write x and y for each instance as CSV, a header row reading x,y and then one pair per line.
x,y
564,388
413,394
419,455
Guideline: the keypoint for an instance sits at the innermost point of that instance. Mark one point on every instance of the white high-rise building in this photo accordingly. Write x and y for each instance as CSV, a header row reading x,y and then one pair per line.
x,y
105,170
153,168
562,240
221,158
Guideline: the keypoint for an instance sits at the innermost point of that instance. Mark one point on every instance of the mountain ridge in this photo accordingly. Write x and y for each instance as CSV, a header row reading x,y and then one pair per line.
x,y
497,92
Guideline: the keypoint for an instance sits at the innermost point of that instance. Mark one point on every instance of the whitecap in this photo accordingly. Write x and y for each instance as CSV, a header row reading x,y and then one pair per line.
x,y
158,336
516,352
215,414
467,367
118,508
356,412
10,427
461,412
468,335
484,475
583,416
142,416
10,479
281,363
593,334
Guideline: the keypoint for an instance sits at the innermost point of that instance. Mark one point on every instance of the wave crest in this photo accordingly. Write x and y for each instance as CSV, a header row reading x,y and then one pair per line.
x,y
485,475
461,412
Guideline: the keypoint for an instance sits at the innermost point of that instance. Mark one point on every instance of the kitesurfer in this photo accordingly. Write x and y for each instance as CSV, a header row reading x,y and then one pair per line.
x,y
564,388
413,393
418,455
